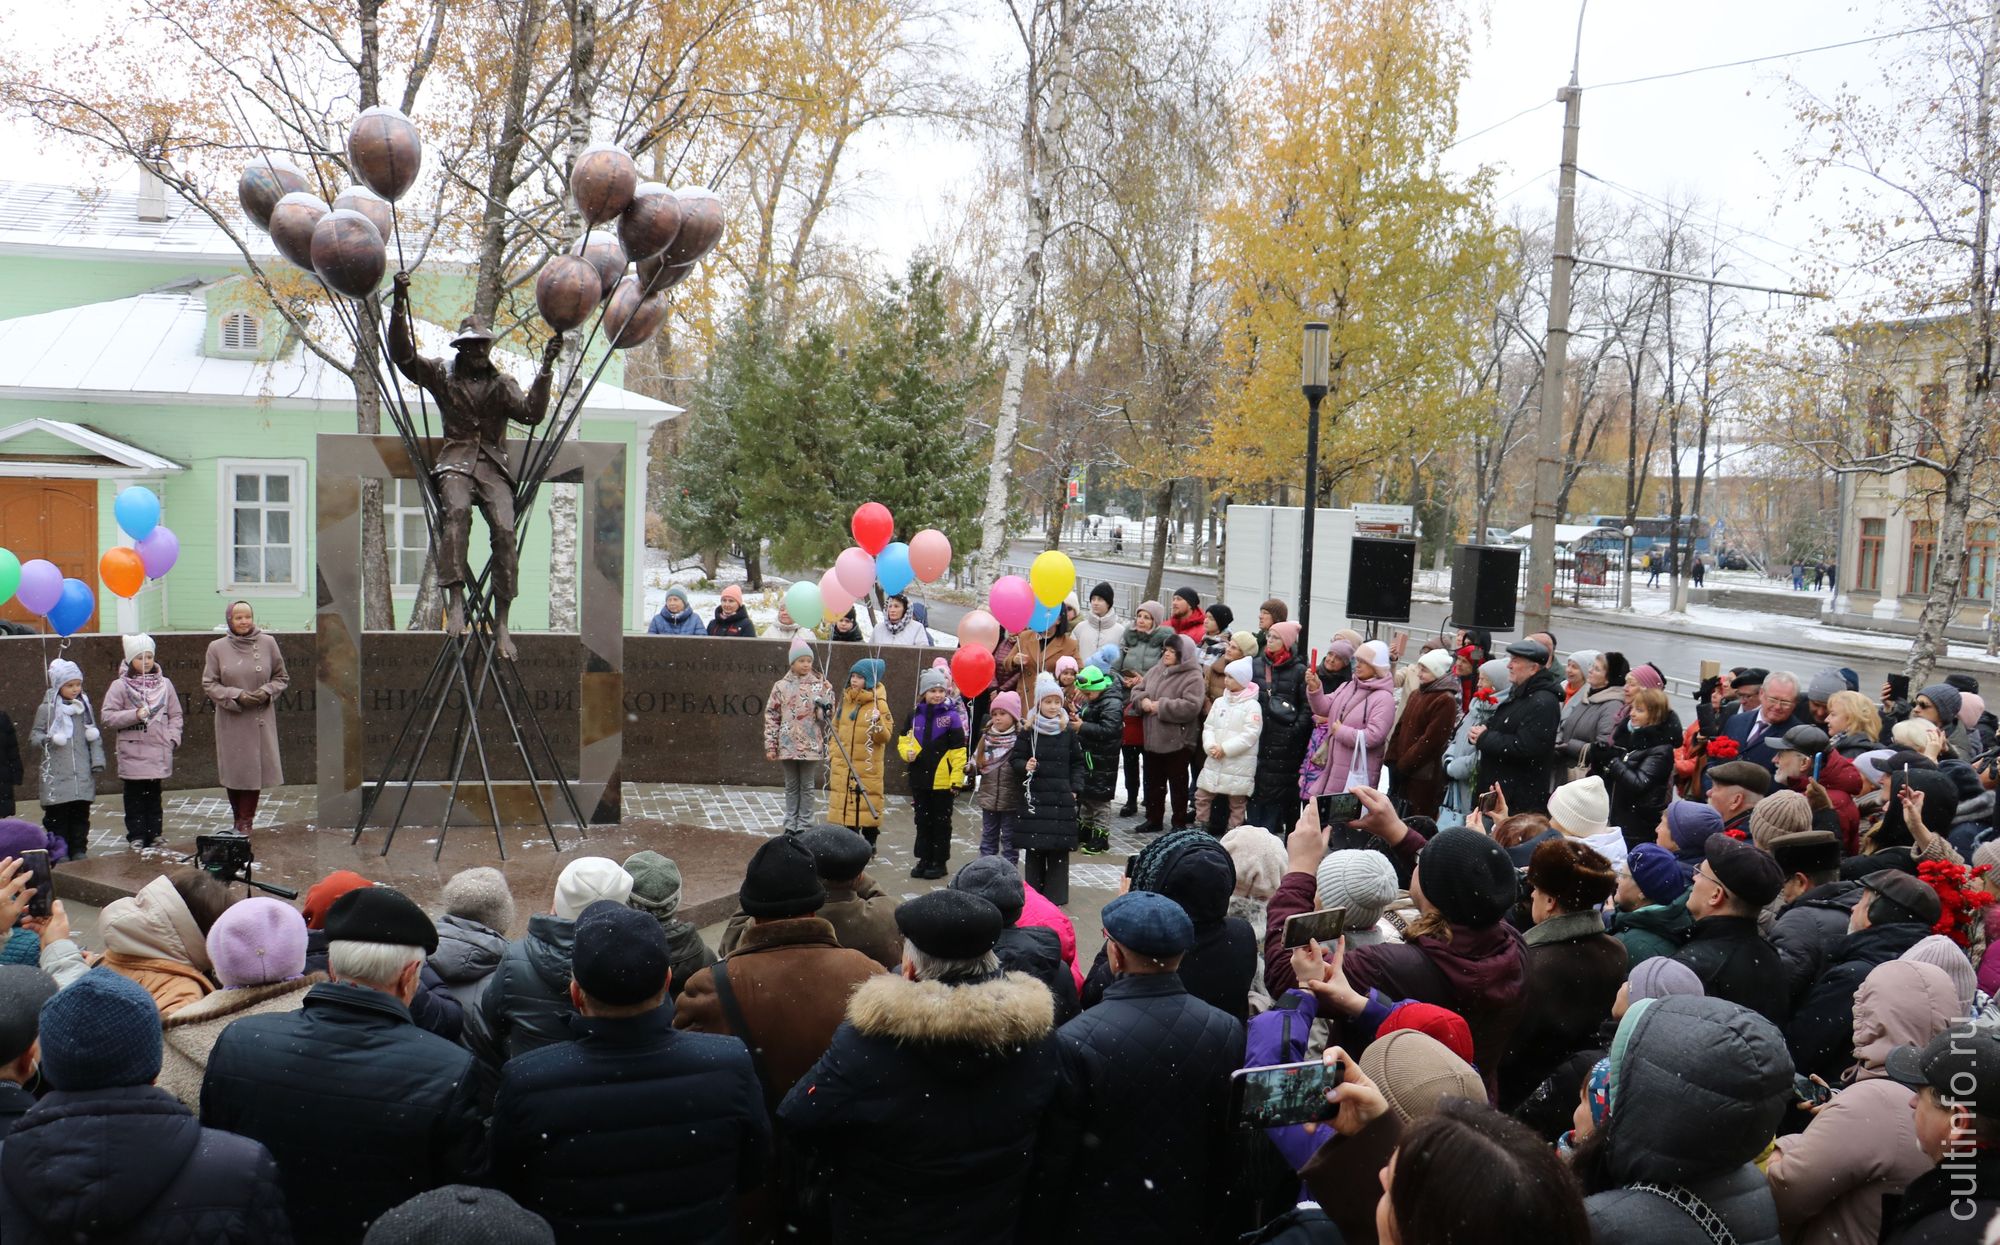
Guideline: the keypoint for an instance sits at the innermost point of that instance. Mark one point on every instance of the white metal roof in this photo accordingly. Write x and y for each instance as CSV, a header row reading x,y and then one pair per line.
x,y
120,458
148,349
1566,533
37,216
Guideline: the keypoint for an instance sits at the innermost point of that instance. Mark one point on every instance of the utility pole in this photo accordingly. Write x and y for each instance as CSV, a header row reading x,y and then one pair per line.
x,y
1555,362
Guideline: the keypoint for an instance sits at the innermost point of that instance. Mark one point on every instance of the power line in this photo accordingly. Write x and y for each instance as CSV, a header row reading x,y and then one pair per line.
x,y
1718,223
1532,108
1779,56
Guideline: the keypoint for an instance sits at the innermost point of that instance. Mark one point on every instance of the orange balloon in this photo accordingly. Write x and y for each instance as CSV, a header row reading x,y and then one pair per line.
x,y
122,571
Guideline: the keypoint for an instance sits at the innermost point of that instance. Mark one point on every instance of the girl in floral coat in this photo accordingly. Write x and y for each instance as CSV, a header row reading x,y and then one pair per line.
x,y
796,718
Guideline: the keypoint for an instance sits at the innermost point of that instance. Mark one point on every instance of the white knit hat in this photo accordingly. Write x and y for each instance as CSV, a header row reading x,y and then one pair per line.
x,y
1581,809
137,644
1260,860
1375,653
1241,670
588,879
62,670
1046,685
1359,880
1437,661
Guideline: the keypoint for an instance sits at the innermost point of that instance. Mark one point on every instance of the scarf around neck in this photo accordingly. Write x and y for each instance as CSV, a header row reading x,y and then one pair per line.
x,y
1047,725
997,745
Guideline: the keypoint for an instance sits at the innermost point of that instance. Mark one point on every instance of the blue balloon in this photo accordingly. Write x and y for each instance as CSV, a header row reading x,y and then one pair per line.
x,y
1044,617
138,511
892,567
73,608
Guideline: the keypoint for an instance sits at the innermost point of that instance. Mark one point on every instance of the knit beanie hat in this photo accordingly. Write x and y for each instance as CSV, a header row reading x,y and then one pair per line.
x,y
782,881
1102,592
1245,642
656,884
1583,659
480,894
1647,675
257,941
1495,674
933,678
1153,608
1415,1072
1342,649
1224,617
1824,684
676,592
1658,977
1360,880
17,835
1008,703
1691,822
1941,952
870,669
1065,665
733,593
1437,662
1581,809
1467,877
23,991
320,895
62,670
1573,874
1946,698
1189,595
1656,873
1242,671
1105,658
999,883
1442,1023
1287,634
1277,609
1781,812
1376,654
1260,860
1987,854
103,1032
137,644
1971,707
458,1213
800,648
588,879
1046,686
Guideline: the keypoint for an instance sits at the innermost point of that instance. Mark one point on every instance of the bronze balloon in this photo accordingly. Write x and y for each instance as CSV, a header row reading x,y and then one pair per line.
x,y
632,317
656,275
265,181
368,203
292,225
385,151
603,182
607,255
701,225
650,222
566,291
348,254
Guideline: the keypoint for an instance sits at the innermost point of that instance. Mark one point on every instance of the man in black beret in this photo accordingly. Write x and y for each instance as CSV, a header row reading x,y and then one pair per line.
x,y
1895,911
1733,960
926,1108
863,918
595,1134
1146,1079
361,1109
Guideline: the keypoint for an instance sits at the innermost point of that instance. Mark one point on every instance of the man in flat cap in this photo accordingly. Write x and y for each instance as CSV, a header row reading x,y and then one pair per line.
x,y
1894,912
1733,960
1734,789
1957,1079
1517,744
1143,1116
635,1131
362,1109
924,1111
476,401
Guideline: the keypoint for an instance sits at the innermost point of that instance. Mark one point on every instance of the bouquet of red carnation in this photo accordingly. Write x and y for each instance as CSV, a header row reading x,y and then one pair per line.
x,y
1723,748
1960,900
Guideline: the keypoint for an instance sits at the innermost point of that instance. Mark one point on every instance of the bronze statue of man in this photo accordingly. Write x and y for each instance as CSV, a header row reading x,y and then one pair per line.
x,y
476,401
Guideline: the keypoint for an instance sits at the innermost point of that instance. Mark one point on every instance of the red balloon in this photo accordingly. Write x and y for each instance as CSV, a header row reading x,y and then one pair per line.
x,y
873,527
972,670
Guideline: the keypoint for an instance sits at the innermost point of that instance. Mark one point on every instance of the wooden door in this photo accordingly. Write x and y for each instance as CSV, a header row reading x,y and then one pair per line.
x,y
53,519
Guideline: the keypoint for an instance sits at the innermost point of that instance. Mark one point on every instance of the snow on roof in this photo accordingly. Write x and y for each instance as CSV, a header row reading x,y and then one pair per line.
x,y
149,348
36,216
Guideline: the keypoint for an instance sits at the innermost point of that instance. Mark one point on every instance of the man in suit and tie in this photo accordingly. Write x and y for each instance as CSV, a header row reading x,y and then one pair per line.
x,y
1778,710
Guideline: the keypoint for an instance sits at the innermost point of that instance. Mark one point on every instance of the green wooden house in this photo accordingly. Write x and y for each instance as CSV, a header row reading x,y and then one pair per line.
x,y
134,350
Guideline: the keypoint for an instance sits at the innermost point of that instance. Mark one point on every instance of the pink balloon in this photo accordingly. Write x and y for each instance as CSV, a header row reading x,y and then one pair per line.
x,y
834,595
1012,602
856,572
930,555
978,629
41,586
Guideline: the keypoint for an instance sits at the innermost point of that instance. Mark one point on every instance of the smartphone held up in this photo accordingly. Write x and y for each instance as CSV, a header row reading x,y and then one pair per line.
x,y
1283,1094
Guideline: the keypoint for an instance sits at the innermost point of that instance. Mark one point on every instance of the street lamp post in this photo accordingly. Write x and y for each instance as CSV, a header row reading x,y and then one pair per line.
x,y
1625,585
1314,375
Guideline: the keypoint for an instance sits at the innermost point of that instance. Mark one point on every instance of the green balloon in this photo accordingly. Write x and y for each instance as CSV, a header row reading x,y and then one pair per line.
x,y
10,575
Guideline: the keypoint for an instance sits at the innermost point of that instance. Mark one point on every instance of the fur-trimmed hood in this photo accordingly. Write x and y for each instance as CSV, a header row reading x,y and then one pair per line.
x,y
228,1004
959,1024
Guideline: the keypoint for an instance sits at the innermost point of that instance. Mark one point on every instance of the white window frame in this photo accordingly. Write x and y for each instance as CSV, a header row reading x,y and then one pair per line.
x,y
226,471
239,351
392,515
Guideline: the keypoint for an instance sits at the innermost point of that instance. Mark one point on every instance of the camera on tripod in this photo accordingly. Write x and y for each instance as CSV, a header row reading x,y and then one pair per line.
x,y
226,854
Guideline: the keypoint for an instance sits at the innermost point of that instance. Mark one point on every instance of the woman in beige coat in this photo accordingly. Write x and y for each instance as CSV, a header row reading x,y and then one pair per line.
x,y
159,937
244,675
259,950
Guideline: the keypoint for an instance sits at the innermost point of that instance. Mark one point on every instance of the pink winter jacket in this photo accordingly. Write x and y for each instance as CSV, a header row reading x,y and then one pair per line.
x,y
1037,910
145,750
1357,709
1989,959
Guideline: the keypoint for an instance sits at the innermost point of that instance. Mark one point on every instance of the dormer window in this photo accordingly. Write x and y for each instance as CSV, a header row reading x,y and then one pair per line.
x,y
241,333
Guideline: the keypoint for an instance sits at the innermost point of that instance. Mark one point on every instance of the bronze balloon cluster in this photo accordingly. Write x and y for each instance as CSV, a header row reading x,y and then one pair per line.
x,y
345,243
666,232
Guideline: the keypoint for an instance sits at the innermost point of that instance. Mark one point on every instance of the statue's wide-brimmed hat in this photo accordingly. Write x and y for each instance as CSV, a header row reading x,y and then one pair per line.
x,y
472,329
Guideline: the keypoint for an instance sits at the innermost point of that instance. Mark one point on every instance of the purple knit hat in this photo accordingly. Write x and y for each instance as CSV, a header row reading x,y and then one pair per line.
x,y
256,942
18,835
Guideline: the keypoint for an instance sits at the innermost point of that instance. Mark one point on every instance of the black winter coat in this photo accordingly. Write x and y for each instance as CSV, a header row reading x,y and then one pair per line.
x,y
113,1166
924,1111
1103,727
1947,1205
525,1005
737,624
361,1108
1518,747
1288,721
1639,769
1809,928
1217,970
1739,965
1047,820
14,1103
635,1131
1821,1034
1139,1139
1036,951
11,773
1572,982
435,1008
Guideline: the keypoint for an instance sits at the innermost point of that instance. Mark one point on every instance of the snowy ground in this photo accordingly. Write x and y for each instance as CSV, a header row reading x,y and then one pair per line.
x,y
762,606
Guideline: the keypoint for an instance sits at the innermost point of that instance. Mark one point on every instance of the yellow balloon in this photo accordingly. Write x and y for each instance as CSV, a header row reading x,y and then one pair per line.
x,y
1053,577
